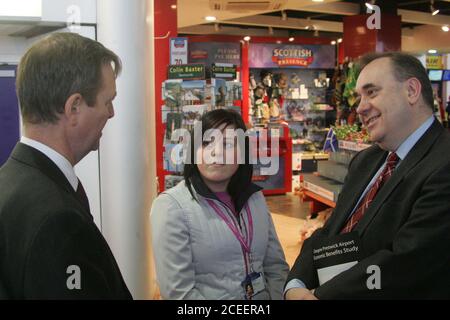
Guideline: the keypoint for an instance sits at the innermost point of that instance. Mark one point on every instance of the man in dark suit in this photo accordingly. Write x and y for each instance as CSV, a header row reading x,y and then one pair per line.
x,y
395,200
50,247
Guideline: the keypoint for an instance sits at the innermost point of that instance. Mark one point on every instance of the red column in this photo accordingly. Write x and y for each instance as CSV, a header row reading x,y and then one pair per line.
x,y
358,39
245,78
165,28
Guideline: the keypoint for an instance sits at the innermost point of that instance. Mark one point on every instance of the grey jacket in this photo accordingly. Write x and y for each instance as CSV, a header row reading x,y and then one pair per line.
x,y
198,257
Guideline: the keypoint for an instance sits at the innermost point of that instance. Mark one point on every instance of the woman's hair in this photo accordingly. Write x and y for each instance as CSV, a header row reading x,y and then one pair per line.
x,y
243,175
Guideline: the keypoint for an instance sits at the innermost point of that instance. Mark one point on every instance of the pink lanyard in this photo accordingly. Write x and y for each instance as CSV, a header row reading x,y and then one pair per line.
x,y
246,244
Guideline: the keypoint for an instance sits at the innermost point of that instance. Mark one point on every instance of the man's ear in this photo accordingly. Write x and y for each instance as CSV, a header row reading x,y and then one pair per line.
x,y
414,89
72,107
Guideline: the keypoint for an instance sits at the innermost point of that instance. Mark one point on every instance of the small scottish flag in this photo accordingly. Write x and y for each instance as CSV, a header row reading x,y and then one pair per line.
x,y
331,142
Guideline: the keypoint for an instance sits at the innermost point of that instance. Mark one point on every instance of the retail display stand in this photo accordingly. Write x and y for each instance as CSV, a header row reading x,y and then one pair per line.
x,y
281,181
322,188
185,101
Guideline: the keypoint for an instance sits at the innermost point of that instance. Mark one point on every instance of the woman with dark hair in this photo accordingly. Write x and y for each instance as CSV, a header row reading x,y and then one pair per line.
x,y
213,236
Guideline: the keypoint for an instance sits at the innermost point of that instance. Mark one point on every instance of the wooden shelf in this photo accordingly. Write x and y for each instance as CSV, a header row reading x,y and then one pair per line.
x,y
320,192
314,196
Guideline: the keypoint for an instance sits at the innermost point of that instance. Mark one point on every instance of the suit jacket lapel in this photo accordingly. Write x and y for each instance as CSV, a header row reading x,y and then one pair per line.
x,y
417,153
32,157
354,187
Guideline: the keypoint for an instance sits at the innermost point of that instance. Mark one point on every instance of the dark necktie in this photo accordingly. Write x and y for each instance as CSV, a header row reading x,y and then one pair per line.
x,y
81,194
391,162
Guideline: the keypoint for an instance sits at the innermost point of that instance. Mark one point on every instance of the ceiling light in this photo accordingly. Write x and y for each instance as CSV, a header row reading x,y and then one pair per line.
x,y
174,6
370,4
333,42
210,18
433,9
339,40
432,51
445,28
309,25
317,0
278,41
283,15
247,38
291,39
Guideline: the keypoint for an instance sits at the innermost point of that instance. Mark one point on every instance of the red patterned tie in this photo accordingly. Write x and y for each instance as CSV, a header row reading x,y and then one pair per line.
x,y
391,162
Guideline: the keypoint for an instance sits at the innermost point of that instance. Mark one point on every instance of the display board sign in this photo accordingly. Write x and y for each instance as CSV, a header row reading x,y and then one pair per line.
x,y
292,56
446,76
211,53
178,51
434,62
188,71
225,71
435,75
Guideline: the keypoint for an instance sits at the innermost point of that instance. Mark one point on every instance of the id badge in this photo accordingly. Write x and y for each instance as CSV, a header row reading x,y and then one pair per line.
x,y
253,284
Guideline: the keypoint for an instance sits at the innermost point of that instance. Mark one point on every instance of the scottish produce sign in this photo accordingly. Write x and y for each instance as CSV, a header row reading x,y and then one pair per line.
x,y
292,56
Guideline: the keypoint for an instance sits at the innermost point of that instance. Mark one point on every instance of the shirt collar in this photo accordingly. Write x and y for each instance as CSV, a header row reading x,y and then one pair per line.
x,y
409,143
62,163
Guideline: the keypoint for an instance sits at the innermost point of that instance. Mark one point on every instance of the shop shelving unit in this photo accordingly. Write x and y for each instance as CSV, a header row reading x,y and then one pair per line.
x,y
322,188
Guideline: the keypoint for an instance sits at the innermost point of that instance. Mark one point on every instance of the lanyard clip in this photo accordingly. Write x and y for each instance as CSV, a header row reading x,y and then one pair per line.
x,y
250,261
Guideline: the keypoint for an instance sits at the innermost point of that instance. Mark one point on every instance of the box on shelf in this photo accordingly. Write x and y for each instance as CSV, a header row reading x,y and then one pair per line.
x,y
352,145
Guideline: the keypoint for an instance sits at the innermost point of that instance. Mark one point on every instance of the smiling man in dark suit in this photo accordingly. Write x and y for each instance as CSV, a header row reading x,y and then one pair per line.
x,y
50,247
395,200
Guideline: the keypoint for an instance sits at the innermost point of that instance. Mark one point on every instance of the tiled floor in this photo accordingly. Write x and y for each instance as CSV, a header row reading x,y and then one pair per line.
x,y
289,205
287,210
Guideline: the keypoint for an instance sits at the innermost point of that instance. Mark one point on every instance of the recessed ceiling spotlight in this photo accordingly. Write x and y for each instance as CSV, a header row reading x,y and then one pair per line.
x,y
247,38
333,42
278,41
445,28
434,11
369,4
210,18
317,0
339,40
432,51
291,39
174,6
